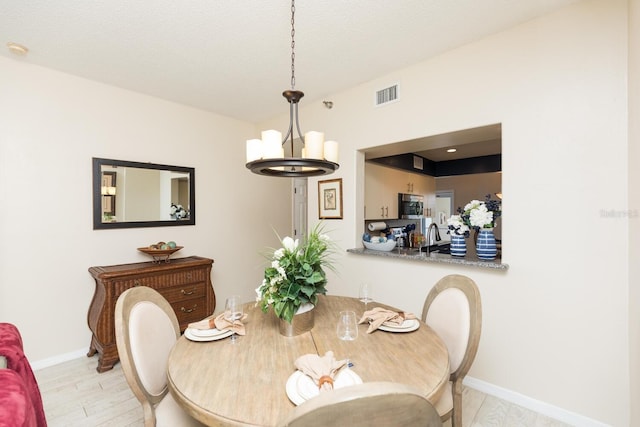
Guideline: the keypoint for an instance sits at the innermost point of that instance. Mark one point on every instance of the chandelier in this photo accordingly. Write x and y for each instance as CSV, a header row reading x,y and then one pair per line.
x,y
266,156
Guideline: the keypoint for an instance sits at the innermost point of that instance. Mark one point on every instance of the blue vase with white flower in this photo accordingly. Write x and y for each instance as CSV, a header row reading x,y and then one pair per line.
x,y
482,216
459,232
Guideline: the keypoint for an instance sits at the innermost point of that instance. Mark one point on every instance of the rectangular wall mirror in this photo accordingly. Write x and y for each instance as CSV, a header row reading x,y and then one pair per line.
x,y
134,194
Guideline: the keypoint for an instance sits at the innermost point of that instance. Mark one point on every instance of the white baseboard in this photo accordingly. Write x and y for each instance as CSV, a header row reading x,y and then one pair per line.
x,y
61,358
535,405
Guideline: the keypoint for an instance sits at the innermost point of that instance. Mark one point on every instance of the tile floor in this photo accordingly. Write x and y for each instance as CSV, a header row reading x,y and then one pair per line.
x,y
75,395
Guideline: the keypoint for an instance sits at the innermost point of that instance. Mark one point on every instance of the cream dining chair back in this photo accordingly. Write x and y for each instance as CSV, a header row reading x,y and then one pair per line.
x,y
454,311
373,404
146,330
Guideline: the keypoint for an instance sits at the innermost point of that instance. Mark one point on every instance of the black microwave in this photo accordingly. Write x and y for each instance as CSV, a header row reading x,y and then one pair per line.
x,y
410,206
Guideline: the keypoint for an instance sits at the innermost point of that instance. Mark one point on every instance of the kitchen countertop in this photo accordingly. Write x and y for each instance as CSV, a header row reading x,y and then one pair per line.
x,y
413,255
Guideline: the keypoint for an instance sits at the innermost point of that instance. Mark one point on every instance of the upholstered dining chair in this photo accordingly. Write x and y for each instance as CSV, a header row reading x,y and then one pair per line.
x,y
146,330
454,311
373,404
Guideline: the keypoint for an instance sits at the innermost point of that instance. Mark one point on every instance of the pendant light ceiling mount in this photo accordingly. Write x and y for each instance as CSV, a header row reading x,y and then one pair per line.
x,y
266,156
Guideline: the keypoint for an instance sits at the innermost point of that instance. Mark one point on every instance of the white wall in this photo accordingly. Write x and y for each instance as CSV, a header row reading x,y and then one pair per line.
x,y
51,125
556,323
634,208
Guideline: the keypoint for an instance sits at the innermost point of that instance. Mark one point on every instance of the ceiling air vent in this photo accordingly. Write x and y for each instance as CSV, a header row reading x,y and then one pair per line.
x,y
387,95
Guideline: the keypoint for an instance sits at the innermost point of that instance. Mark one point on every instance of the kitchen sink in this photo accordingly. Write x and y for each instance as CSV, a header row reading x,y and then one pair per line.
x,y
445,248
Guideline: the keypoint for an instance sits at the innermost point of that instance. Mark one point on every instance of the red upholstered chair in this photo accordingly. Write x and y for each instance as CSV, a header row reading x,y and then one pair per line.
x,y
16,408
11,348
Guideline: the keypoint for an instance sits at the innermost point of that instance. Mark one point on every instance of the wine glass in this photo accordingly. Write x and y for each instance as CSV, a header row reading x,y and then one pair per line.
x,y
347,329
233,311
366,294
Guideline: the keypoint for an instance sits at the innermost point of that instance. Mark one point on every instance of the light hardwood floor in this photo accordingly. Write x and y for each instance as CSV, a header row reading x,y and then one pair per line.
x,y
75,395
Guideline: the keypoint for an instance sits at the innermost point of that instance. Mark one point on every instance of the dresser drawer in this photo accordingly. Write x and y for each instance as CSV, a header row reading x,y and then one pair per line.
x,y
166,280
184,292
191,310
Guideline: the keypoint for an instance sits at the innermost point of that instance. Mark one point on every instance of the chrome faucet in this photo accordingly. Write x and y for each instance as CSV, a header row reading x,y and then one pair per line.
x,y
428,236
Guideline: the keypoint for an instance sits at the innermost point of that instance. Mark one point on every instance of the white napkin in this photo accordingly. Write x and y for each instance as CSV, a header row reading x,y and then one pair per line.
x,y
220,323
379,315
322,370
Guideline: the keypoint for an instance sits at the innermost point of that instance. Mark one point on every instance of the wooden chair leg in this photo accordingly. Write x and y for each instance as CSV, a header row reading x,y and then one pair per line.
x,y
456,415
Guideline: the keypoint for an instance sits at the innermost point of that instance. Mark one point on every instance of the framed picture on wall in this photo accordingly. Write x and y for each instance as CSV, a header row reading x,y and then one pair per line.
x,y
330,199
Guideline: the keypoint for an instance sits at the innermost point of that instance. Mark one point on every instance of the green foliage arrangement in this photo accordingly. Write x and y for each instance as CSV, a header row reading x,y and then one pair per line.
x,y
296,275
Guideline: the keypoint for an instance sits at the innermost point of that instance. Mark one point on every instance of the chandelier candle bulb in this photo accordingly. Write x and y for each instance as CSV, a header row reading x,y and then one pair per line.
x,y
254,150
314,145
271,151
272,144
331,151
108,191
271,136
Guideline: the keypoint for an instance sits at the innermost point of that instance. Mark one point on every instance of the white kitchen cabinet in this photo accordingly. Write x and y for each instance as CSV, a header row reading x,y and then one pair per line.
x,y
378,200
382,185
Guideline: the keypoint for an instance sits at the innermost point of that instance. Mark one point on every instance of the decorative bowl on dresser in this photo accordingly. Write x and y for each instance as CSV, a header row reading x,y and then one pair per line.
x,y
160,255
184,282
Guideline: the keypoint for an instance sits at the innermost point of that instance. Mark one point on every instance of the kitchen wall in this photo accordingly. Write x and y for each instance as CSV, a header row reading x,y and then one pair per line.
x,y
51,125
556,324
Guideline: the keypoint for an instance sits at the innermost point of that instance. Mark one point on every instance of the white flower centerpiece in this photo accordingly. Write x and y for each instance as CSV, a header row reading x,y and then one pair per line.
x,y
296,275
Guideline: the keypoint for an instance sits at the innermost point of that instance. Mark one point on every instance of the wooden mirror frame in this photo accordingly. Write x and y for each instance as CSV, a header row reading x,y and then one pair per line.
x,y
98,224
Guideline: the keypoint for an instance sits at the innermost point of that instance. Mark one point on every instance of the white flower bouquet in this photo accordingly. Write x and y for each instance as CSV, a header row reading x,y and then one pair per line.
x,y
477,214
456,226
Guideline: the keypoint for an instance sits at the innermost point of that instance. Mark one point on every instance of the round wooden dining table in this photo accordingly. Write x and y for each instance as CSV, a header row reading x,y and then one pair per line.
x,y
242,383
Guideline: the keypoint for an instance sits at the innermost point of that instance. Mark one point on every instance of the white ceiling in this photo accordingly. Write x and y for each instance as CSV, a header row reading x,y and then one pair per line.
x,y
232,57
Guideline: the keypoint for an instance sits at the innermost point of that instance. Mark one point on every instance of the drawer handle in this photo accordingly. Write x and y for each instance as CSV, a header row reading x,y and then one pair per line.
x,y
136,283
189,310
187,293
189,276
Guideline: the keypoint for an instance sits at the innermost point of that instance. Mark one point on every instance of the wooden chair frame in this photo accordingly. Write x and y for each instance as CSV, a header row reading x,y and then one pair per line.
x,y
384,404
470,290
124,305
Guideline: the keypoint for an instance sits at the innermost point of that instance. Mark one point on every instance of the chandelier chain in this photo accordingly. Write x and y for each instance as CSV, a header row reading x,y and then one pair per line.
x,y
293,45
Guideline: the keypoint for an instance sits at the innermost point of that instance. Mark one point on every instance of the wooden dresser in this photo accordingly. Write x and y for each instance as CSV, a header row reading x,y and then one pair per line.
x,y
184,282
